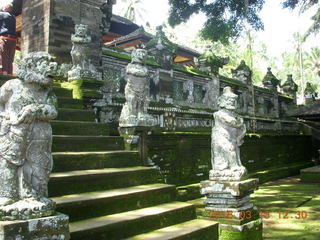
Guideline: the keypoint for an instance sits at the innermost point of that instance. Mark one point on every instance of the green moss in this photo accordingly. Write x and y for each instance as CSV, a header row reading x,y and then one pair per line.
x,y
233,81
254,233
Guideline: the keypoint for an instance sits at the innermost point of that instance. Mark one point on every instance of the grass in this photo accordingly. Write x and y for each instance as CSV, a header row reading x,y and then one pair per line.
x,y
286,201
294,209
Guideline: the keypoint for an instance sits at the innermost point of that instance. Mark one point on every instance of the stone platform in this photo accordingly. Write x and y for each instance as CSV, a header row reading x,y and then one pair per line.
x,y
229,204
310,175
48,228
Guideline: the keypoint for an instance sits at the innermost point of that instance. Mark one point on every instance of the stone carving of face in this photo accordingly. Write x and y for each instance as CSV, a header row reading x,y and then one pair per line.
x,y
228,99
81,30
139,56
38,68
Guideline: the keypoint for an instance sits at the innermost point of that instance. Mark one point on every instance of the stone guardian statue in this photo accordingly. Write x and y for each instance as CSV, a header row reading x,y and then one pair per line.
x,y
134,111
27,104
82,68
227,137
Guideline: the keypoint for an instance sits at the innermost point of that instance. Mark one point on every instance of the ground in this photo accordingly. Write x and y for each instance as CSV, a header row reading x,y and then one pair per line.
x,y
294,209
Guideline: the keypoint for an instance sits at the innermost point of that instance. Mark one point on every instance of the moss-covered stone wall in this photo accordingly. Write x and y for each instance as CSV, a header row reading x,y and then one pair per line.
x,y
184,158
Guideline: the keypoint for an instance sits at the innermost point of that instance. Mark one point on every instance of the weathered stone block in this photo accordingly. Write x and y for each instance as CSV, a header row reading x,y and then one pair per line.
x,y
249,231
311,174
48,228
236,188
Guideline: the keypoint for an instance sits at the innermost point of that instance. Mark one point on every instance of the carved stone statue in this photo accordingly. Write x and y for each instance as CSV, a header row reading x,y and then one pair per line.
x,y
81,65
242,73
106,10
27,104
227,136
134,111
212,89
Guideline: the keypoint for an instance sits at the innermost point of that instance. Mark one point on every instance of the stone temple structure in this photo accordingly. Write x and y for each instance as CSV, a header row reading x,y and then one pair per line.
x,y
227,193
26,106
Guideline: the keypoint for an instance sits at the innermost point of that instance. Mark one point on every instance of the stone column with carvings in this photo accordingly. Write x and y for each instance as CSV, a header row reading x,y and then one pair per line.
x,y
27,104
227,191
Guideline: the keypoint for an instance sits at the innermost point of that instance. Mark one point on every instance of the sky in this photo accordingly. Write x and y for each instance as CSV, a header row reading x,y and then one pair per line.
x,y
280,24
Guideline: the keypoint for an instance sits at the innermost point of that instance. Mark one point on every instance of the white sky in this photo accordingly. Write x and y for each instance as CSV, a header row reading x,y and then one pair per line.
x,y
280,24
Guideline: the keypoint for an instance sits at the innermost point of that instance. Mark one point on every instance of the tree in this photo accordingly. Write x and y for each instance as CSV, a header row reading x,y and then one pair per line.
x,y
133,10
226,19
305,5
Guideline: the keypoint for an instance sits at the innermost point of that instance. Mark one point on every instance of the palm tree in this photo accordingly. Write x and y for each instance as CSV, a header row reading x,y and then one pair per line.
x,y
134,10
312,60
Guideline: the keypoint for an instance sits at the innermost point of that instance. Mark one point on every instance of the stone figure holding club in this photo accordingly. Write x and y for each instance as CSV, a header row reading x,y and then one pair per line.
x,y
227,137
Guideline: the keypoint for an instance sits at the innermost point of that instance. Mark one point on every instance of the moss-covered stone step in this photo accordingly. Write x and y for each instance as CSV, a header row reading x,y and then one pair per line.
x,y
64,102
310,175
65,143
68,114
194,229
100,179
80,128
62,92
127,224
71,161
94,204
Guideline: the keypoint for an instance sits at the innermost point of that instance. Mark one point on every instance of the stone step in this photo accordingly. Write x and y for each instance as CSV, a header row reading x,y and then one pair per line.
x,y
79,128
66,143
100,179
127,224
71,161
69,114
194,229
64,102
62,92
94,204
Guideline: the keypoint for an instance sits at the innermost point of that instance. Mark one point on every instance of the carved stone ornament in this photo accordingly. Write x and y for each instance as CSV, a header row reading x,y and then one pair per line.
x,y
134,111
242,73
163,50
27,104
82,68
270,81
289,87
227,137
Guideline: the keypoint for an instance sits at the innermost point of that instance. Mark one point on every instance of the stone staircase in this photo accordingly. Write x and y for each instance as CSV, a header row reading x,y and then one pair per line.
x,y
105,191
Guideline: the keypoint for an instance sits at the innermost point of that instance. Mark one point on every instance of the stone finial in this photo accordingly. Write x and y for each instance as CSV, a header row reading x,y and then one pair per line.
x,y
227,136
270,81
243,73
309,93
26,106
212,61
134,111
289,86
162,48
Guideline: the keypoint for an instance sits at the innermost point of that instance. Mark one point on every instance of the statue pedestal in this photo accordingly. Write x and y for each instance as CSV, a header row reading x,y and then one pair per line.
x,y
50,228
135,139
228,202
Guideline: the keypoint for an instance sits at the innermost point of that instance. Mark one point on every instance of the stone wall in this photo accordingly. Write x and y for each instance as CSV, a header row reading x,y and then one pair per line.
x,y
185,158
48,25
178,97
35,25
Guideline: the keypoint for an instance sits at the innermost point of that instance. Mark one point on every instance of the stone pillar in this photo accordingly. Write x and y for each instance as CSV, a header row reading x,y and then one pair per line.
x,y
227,191
134,121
